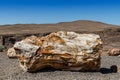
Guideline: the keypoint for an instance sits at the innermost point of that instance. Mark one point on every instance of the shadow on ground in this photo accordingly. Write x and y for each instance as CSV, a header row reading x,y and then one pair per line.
x,y
112,69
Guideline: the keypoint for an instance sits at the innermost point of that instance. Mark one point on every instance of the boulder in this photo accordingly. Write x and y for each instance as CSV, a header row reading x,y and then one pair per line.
x,y
60,50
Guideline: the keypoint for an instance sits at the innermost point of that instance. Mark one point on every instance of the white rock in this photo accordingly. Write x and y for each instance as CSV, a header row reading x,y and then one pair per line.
x,y
61,50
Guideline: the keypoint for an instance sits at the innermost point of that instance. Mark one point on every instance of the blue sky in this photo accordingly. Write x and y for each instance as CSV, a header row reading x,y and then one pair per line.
x,y
53,11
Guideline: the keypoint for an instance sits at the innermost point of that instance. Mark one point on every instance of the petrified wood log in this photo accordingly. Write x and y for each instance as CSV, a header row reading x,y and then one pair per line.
x,y
61,50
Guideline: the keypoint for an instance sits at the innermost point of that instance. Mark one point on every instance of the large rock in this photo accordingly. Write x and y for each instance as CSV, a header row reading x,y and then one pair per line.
x,y
61,50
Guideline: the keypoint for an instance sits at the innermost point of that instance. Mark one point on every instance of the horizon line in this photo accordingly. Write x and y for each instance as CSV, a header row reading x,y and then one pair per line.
x,y
10,24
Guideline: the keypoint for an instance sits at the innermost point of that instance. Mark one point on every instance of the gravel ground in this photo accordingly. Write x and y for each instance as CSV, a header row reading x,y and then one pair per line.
x,y
9,70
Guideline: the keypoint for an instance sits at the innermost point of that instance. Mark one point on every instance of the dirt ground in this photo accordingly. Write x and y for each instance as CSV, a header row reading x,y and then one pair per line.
x,y
10,70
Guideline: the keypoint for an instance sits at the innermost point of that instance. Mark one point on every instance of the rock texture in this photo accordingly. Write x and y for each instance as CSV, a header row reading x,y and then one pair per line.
x,y
11,53
113,52
61,50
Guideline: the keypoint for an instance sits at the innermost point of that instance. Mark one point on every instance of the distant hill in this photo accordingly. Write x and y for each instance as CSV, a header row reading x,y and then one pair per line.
x,y
80,25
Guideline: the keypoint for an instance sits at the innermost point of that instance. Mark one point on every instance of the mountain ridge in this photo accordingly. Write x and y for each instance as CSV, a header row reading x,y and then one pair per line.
x,y
78,25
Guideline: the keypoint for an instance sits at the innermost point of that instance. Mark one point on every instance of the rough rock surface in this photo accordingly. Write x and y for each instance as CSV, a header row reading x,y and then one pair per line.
x,y
61,50
11,53
114,52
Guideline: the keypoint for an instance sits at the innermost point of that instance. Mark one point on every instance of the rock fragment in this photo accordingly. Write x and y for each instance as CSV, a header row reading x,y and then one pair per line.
x,y
11,53
114,52
114,68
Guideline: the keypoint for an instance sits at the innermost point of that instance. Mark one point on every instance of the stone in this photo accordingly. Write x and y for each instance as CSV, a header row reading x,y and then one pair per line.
x,y
113,52
11,53
114,68
60,50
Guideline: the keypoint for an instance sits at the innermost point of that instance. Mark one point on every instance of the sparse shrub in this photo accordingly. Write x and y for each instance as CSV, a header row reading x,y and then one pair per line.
x,y
2,48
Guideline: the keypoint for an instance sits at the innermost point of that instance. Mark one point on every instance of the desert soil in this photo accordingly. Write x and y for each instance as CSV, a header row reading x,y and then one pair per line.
x,y
10,70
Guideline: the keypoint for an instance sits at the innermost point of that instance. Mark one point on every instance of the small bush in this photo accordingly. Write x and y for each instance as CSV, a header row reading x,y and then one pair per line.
x,y
2,48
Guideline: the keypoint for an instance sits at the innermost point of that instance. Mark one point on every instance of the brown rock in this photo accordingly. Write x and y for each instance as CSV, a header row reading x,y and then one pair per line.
x,y
114,52
61,50
11,53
